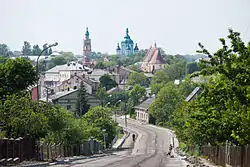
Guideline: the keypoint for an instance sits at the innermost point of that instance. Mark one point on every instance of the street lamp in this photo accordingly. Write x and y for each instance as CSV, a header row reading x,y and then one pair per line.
x,y
115,110
44,49
81,82
103,109
104,139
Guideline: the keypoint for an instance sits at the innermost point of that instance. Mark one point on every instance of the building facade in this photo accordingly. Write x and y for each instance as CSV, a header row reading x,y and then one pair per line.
x,y
127,46
153,60
142,113
86,49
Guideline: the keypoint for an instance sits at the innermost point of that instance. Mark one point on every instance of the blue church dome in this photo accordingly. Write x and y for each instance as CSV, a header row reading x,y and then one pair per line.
x,y
87,33
127,38
127,46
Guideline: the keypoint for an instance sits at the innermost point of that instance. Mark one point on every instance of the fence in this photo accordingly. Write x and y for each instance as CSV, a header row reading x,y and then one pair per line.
x,y
17,150
234,156
48,152
25,149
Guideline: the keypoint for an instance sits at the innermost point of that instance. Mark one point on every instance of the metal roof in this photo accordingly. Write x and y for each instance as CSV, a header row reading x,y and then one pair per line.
x,y
145,105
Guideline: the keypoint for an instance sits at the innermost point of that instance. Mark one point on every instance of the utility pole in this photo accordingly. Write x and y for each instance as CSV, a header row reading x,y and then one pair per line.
x,y
124,110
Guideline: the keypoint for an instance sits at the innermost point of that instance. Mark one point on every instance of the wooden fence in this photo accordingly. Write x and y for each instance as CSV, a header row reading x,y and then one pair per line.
x,y
17,150
13,151
48,152
234,156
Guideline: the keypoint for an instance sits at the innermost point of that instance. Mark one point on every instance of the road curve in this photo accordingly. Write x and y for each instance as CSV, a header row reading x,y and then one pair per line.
x,y
149,149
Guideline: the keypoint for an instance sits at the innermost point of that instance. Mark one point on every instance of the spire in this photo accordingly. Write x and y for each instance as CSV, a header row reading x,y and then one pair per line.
x,y
87,33
136,47
127,31
118,47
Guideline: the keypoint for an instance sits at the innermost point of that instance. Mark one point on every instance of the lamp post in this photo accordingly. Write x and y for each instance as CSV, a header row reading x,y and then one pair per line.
x,y
81,82
104,138
115,110
44,49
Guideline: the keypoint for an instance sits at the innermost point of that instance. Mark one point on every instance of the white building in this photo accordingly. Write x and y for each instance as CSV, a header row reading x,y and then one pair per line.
x,y
60,73
142,113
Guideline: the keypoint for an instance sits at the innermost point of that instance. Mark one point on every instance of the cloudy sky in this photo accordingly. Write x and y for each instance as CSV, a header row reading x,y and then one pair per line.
x,y
176,25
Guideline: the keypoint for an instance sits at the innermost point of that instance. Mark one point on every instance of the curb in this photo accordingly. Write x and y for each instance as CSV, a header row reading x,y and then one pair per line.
x,y
37,164
69,160
125,136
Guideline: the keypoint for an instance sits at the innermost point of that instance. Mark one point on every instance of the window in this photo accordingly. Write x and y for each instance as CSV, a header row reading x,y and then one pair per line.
x,y
68,107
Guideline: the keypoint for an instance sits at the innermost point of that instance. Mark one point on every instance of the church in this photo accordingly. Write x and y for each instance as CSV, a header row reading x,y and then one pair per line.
x,y
127,46
86,49
153,60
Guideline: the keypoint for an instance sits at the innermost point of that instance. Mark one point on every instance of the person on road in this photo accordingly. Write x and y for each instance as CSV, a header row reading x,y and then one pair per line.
x,y
133,137
170,150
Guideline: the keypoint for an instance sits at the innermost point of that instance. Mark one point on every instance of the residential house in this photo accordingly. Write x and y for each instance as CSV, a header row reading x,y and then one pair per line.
x,y
123,74
60,73
142,113
68,99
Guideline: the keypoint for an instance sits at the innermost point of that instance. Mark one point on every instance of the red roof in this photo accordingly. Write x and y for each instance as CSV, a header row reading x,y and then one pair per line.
x,y
156,57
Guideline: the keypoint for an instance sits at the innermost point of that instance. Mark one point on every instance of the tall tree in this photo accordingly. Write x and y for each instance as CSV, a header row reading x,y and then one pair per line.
x,y
46,52
221,112
50,51
4,50
167,101
16,75
101,93
26,50
36,50
82,105
107,82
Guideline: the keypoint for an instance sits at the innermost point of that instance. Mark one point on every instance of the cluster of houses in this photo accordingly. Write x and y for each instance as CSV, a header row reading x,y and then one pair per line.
x,y
60,84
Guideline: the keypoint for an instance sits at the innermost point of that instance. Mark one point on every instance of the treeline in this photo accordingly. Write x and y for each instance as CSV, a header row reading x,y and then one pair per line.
x,y
19,115
221,112
27,50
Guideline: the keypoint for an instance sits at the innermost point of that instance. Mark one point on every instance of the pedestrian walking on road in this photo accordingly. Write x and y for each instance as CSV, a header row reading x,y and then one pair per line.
x,y
170,150
133,136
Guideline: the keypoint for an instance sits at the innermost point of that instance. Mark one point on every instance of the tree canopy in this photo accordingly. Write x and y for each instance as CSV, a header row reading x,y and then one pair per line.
x,y
221,112
138,78
16,75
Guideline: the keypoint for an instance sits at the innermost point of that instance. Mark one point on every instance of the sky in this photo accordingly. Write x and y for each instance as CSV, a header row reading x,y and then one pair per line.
x,y
175,25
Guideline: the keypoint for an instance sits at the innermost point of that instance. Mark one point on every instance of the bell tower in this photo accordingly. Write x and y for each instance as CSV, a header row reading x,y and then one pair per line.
x,y
86,48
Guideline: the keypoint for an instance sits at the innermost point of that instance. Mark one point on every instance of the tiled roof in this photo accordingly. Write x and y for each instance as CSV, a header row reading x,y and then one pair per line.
x,y
145,105
61,94
73,66
156,58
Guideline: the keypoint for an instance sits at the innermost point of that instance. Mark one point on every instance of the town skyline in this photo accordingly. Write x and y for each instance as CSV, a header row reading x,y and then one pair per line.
x,y
177,27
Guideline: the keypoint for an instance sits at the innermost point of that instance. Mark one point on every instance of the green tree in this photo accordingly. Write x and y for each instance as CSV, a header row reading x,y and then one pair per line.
x,y
107,82
4,50
137,78
82,105
50,51
221,112
36,50
20,118
137,93
26,50
101,94
97,123
193,67
172,72
16,75
167,101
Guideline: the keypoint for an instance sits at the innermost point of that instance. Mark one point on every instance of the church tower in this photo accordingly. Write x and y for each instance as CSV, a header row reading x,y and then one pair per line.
x,y
86,48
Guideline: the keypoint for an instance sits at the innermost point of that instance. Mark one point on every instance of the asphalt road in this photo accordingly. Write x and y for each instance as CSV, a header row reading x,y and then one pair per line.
x,y
149,149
